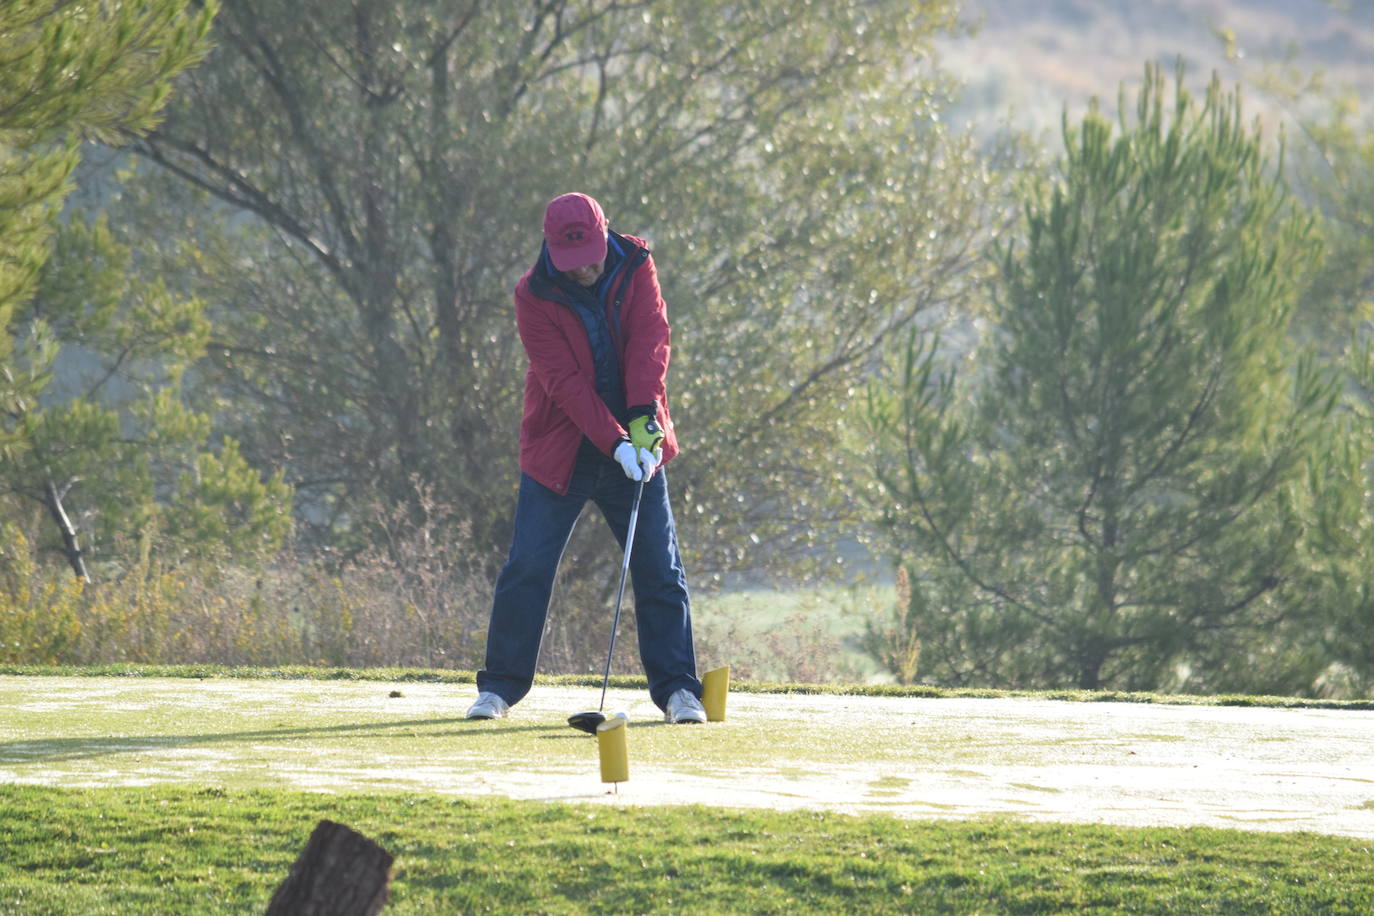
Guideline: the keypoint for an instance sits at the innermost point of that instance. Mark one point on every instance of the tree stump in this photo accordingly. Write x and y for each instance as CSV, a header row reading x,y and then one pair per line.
x,y
339,873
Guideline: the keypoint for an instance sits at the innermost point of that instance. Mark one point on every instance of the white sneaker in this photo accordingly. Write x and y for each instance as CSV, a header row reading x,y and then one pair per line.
x,y
684,709
488,706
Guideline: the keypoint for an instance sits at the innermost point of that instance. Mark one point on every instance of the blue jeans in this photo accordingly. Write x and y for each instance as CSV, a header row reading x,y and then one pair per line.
x,y
543,523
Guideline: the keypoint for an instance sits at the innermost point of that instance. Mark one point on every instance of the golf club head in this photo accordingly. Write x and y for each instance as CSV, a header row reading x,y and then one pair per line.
x,y
587,721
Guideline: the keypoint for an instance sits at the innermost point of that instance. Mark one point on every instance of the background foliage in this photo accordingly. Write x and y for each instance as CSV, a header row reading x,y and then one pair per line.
x,y
372,185
269,370
1111,493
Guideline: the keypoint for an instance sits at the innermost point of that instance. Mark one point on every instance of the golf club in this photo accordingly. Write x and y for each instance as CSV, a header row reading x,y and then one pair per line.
x,y
588,721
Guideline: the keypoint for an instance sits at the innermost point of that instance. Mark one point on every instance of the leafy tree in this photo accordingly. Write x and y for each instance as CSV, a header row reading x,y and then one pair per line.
x,y
1339,176
1335,170
92,354
111,423
386,166
1339,577
70,71
1332,166
1112,496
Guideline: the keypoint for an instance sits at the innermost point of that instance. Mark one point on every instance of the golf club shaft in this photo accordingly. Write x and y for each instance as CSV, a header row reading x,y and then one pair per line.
x,y
620,592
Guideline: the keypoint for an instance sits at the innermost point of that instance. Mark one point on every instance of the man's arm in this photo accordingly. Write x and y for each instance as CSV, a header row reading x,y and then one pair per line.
x,y
555,367
647,348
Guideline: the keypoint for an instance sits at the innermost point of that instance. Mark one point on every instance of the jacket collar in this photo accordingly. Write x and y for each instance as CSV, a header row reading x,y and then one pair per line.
x,y
622,255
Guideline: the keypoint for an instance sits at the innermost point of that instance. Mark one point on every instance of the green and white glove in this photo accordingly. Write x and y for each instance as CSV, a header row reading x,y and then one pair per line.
x,y
647,438
645,433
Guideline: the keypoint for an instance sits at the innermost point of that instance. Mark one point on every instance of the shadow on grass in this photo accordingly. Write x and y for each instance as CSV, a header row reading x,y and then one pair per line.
x,y
57,750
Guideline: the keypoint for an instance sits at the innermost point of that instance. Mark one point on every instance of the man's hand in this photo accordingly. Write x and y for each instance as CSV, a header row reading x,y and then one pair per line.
x,y
645,433
637,463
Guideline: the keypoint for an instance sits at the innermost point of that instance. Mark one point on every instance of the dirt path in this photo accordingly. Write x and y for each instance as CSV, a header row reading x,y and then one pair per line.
x,y
1117,763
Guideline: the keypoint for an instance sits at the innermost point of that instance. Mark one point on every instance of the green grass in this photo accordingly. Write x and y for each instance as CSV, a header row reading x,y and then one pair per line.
x,y
186,851
183,808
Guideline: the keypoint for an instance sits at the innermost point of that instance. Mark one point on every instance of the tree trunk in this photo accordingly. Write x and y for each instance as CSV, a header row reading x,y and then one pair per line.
x,y
1090,664
339,873
71,547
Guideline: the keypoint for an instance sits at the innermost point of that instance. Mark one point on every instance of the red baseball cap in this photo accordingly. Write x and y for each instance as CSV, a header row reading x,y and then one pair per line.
x,y
575,230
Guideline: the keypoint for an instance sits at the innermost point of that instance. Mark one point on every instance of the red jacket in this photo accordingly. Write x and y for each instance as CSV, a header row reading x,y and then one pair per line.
x,y
561,402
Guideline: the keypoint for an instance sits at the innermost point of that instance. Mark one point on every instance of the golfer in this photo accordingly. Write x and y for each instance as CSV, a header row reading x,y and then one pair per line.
x,y
596,422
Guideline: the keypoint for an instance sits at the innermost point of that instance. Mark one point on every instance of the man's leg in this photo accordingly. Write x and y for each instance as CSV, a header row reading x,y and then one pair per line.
x,y
543,523
663,613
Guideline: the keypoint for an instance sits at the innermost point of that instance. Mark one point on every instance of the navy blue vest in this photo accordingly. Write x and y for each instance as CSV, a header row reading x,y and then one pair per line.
x,y
591,305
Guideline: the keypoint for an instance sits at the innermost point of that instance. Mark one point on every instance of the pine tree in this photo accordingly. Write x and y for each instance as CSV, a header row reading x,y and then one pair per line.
x,y
1104,500
69,71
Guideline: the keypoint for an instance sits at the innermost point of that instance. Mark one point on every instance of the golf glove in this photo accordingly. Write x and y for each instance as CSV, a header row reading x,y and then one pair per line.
x,y
645,433
637,463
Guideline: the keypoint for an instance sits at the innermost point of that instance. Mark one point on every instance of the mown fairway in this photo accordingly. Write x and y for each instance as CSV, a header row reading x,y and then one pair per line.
x,y
186,795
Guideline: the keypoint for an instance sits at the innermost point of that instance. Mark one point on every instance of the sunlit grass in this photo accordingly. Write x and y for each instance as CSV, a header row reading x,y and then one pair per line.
x,y
187,850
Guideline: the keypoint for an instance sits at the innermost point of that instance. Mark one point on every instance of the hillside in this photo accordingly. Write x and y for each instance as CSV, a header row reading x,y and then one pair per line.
x,y
1030,58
